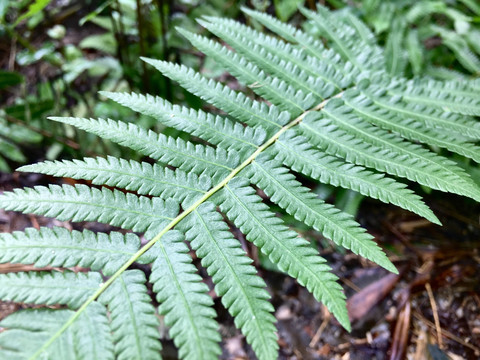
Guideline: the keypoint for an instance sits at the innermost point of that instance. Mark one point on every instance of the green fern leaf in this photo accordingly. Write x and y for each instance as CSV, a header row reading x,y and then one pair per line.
x,y
60,247
362,31
278,92
184,300
414,51
28,330
144,178
409,128
318,111
394,52
49,287
460,48
296,153
133,321
312,46
92,334
287,56
175,152
430,116
285,248
83,203
270,63
89,338
339,132
461,86
216,130
437,98
253,113
363,56
241,290
284,190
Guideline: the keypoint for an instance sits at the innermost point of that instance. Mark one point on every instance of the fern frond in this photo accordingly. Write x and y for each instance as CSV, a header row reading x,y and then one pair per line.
x,y
318,110
278,92
282,188
216,130
340,132
290,56
430,116
443,73
359,53
408,128
285,248
83,203
63,248
133,321
28,330
295,152
460,48
287,31
242,291
93,339
253,113
283,70
461,86
175,152
313,46
144,178
184,300
414,51
49,288
437,98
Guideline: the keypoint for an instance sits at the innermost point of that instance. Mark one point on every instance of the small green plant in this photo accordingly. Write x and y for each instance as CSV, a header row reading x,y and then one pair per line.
x,y
328,113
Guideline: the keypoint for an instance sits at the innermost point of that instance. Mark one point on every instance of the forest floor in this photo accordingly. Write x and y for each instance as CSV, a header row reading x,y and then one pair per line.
x,y
431,310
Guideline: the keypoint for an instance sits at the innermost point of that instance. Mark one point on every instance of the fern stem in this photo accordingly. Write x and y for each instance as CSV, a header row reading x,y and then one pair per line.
x,y
175,221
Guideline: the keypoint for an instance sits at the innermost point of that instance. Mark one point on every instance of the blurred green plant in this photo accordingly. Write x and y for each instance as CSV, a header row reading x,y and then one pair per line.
x,y
436,38
11,134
